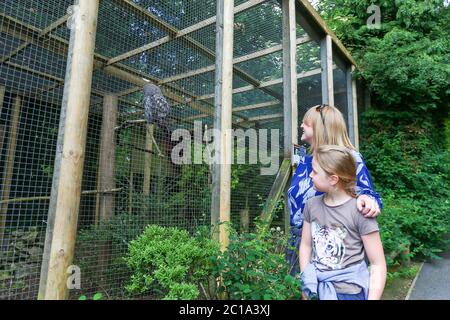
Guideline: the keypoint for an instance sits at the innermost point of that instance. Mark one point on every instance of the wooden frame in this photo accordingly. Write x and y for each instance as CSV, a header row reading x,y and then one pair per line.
x,y
76,99
173,32
289,76
9,165
221,183
290,91
107,156
352,107
326,61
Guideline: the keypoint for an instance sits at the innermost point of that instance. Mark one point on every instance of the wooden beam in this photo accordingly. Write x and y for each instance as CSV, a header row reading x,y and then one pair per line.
x,y
354,106
9,165
39,198
77,92
107,157
42,33
264,117
140,82
198,46
120,71
221,184
106,174
28,33
175,33
351,128
289,76
148,158
275,193
236,61
242,108
261,105
326,61
2,98
290,119
263,84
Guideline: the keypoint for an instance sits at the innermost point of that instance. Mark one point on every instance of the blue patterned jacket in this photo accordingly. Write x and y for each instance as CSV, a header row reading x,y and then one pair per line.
x,y
301,188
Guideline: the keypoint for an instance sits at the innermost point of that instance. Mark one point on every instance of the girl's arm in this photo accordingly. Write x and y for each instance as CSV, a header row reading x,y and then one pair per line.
x,y
374,250
305,246
305,249
372,200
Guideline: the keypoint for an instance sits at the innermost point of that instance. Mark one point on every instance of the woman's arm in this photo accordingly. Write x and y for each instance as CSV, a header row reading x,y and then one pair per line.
x,y
374,250
305,250
369,201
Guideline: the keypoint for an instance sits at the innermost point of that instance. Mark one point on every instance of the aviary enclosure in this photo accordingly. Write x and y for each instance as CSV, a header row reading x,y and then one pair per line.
x,y
83,173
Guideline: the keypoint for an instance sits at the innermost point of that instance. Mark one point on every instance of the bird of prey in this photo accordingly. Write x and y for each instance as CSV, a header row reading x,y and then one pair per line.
x,y
156,108
156,111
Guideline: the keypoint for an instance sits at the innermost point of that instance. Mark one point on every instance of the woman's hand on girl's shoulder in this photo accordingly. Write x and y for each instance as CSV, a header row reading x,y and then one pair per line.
x,y
368,206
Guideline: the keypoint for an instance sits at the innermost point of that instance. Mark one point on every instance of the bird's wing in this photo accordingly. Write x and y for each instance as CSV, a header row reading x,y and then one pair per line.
x,y
148,106
161,107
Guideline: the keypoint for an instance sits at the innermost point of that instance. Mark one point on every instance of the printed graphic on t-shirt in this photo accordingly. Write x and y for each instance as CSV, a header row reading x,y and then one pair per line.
x,y
328,245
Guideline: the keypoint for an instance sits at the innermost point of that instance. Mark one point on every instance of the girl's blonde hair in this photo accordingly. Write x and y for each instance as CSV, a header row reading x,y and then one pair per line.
x,y
335,130
339,161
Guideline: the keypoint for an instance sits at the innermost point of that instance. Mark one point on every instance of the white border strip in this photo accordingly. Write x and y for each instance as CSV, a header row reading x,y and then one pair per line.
x,y
414,282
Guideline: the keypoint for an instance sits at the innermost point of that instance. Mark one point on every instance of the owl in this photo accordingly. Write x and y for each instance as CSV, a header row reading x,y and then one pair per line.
x,y
156,108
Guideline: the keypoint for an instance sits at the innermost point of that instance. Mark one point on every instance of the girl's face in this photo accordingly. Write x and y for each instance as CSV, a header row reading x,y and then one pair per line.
x,y
321,181
307,133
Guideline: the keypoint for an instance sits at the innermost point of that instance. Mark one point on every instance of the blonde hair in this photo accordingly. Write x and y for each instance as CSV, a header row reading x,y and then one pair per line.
x,y
339,161
335,130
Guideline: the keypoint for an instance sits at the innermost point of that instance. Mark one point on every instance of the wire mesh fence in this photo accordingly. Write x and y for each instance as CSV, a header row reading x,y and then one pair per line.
x,y
129,178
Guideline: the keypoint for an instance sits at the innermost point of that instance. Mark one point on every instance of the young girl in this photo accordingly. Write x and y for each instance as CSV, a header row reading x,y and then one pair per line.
x,y
336,238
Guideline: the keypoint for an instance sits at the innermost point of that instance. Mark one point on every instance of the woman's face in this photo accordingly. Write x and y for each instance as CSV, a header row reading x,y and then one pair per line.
x,y
307,132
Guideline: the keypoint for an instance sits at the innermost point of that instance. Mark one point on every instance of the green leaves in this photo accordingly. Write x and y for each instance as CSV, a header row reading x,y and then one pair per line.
x,y
406,71
254,268
170,260
97,296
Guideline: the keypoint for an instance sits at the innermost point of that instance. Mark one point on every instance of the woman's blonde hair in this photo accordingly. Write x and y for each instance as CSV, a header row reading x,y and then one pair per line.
x,y
334,132
339,161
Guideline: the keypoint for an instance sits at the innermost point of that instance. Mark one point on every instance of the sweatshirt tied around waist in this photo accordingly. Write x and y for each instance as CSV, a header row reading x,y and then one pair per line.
x,y
317,282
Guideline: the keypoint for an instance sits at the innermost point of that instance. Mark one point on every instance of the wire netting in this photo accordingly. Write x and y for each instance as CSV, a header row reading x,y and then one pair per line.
x,y
172,44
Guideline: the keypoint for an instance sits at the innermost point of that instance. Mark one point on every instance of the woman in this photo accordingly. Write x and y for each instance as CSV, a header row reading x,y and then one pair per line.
x,y
324,125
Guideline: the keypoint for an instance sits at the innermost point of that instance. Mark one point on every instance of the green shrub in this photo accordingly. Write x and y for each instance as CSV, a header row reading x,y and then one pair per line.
x,y
254,268
413,227
407,158
170,263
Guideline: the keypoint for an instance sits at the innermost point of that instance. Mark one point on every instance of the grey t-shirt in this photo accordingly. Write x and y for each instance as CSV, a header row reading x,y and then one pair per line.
x,y
336,236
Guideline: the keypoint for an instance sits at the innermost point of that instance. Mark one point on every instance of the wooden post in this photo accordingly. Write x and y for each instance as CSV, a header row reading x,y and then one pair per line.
x,y
2,97
2,127
130,179
77,92
149,129
289,88
351,126
107,161
278,187
221,197
355,110
107,156
9,164
326,62
148,158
